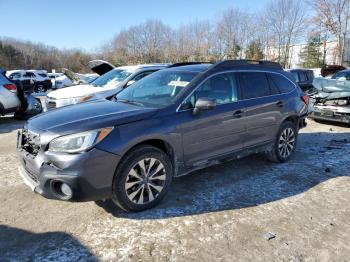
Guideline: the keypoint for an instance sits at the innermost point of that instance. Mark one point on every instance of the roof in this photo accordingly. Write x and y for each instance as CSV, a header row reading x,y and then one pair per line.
x,y
345,70
298,69
193,68
136,67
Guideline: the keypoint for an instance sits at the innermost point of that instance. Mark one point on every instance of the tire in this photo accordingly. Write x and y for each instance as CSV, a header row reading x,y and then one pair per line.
x,y
142,179
40,89
285,143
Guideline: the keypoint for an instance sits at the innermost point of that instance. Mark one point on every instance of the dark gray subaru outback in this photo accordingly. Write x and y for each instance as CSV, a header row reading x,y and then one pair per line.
x,y
168,124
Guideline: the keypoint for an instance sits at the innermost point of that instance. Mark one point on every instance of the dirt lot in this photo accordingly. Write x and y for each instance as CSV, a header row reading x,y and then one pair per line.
x,y
220,213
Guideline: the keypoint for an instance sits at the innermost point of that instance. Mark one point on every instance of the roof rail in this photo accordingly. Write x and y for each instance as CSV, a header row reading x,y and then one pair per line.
x,y
259,63
187,63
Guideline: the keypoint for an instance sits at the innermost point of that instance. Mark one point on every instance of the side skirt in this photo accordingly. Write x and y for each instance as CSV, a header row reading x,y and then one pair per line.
x,y
224,158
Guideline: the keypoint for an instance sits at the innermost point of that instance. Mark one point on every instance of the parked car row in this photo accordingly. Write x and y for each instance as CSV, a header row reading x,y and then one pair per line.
x,y
31,80
158,125
108,84
13,99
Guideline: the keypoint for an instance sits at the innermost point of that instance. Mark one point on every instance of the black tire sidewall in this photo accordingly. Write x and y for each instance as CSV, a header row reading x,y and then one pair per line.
x,y
119,196
284,126
42,86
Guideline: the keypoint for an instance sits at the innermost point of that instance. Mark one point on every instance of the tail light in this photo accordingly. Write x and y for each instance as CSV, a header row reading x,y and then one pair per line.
x,y
305,99
11,87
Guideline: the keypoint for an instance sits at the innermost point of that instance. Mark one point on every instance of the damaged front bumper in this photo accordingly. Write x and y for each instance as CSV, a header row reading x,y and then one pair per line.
x,y
331,113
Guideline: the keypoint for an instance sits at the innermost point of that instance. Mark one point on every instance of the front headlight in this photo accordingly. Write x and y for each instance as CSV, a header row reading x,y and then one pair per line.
x,y
72,101
78,142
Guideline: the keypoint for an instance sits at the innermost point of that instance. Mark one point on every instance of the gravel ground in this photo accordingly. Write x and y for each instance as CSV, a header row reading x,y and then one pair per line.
x,y
226,212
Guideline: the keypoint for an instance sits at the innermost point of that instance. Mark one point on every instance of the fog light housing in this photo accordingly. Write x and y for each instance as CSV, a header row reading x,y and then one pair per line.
x,y
66,190
62,190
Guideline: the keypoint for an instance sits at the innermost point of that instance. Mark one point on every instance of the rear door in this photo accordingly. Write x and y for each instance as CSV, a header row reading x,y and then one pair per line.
x,y
262,107
216,132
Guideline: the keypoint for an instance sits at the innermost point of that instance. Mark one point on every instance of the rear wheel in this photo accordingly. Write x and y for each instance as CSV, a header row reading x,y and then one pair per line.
x,y
285,143
40,89
142,179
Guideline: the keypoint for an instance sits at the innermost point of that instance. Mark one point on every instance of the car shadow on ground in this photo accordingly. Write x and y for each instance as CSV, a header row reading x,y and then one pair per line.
x,y
21,245
253,180
8,124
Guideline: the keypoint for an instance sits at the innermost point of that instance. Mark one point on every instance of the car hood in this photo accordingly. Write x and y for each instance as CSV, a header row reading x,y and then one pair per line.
x,y
75,91
100,67
89,116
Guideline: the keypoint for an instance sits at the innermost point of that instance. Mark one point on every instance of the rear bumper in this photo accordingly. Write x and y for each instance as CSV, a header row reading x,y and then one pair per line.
x,y
89,175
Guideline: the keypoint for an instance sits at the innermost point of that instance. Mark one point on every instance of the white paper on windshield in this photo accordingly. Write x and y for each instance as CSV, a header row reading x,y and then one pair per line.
x,y
178,83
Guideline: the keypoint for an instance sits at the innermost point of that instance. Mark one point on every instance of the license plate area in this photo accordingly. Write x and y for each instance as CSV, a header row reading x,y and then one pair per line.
x,y
328,113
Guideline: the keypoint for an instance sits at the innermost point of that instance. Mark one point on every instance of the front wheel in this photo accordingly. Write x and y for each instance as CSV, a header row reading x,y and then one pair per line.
x,y
285,143
142,179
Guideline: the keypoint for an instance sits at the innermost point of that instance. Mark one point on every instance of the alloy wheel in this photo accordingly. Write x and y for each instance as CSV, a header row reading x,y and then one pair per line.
x,y
40,89
145,181
286,142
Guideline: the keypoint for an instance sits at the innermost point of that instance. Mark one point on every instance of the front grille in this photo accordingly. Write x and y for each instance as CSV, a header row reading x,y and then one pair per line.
x,y
30,142
31,174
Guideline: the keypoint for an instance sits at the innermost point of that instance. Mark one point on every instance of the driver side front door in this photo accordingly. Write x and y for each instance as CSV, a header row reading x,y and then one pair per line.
x,y
217,132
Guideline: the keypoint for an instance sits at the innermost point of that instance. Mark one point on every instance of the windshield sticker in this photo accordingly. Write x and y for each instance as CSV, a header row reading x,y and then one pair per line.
x,y
178,83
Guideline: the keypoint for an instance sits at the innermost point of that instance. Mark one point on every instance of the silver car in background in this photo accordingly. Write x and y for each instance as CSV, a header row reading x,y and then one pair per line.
x,y
9,101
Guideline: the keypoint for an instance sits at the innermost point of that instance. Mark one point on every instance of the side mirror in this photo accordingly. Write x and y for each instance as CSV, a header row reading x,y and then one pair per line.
x,y
130,82
204,104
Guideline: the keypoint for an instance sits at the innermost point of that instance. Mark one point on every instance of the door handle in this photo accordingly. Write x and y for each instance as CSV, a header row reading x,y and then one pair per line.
x,y
237,114
280,104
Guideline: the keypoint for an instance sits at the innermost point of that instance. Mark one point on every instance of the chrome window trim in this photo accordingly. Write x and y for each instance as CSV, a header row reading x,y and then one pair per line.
x,y
235,71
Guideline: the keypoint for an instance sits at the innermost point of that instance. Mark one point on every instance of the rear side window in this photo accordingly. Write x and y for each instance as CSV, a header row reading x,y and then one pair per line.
x,y
282,83
302,76
296,76
254,84
310,75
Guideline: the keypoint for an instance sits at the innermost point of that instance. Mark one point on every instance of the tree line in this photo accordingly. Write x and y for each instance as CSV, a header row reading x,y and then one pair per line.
x,y
16,54
269,33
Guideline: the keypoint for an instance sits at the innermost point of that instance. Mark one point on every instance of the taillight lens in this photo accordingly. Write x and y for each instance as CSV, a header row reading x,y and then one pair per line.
x,y
10,87
306,99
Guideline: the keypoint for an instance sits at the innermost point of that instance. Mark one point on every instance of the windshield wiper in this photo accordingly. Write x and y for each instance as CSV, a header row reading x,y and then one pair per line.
x,y
127,101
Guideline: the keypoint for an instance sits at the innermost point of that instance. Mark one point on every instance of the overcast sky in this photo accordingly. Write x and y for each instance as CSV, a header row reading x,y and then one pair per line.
x,y
87,24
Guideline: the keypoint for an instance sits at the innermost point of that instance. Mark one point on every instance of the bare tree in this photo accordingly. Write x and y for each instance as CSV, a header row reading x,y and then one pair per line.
x,y
287,21
334,15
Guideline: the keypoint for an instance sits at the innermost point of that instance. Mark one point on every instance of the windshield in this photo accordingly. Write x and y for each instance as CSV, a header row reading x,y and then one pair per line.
x,y
159,89
111,79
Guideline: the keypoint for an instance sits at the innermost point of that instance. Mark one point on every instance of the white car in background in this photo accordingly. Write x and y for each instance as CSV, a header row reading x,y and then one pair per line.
x,y
9,101
112,80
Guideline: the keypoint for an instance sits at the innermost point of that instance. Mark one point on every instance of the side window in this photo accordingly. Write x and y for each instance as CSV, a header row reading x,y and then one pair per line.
x,y
15,76
283,84
296,76
310,75
339,75
347,75
302,76
222,88
142,75
26,74
254,84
